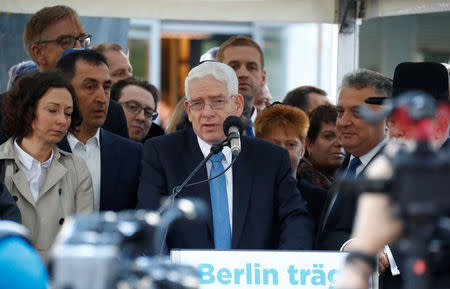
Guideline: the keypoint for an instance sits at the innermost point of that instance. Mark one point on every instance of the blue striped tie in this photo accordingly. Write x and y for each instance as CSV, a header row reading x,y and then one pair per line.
x,y
354,164
219,203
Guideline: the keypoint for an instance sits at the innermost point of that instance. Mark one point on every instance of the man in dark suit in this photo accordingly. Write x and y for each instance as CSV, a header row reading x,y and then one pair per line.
x,y
113,161
261,207
362,141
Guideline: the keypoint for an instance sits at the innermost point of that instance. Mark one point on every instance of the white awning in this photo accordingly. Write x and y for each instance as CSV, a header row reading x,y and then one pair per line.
x,y
322,11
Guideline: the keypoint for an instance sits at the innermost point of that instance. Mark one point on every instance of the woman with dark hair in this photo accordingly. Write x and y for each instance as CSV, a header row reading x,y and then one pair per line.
x,y
47,184
324,154
324,151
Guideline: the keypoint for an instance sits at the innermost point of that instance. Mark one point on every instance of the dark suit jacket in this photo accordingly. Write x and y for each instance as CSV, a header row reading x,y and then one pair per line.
x,y
268,211
155,130
116,121
339,224
8,207
120,170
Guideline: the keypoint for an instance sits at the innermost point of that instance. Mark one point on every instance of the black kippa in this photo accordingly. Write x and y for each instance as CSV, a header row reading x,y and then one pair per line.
x,y
428,77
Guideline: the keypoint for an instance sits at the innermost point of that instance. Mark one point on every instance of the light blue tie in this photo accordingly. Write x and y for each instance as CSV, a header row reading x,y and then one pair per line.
x,y
354,164
219,203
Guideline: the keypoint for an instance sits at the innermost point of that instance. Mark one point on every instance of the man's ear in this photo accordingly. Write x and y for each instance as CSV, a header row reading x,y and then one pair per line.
x,y
239,104
38,55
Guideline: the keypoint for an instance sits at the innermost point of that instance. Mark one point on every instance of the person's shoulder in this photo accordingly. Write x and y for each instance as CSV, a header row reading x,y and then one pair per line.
x,y
71,161
7,149
170,139
107,136
260,144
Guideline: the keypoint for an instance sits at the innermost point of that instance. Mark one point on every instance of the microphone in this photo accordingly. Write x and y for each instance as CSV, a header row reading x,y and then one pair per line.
x,y
232,127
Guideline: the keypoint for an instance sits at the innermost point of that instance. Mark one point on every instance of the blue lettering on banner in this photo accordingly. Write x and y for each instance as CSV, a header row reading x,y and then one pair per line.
x,y
251,275
317,276
255,274
205,273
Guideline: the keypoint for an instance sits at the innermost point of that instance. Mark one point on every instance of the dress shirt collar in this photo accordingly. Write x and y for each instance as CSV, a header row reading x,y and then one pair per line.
x,y
365,159
73,141
205,148
254,114
27,160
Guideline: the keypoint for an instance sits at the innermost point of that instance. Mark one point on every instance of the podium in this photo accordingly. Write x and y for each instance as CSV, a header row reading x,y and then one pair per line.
x,y
238,269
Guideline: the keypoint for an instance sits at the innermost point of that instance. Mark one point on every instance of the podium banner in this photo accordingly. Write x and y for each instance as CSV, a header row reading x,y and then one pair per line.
x,y
263,269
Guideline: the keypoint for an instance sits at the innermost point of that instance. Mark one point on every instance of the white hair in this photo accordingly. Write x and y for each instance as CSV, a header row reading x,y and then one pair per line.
x,y
218,70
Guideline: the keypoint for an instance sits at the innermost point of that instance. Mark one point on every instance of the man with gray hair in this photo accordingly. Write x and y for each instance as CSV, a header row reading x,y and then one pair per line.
x,y
363,141
255,205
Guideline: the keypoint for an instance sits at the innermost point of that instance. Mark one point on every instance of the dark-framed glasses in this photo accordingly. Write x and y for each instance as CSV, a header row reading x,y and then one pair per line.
x,y
215,105
67,42
134,107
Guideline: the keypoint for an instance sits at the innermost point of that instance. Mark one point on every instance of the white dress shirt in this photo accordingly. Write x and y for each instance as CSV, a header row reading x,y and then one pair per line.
x,y
90,153
365,159
226,161
35,171
253,118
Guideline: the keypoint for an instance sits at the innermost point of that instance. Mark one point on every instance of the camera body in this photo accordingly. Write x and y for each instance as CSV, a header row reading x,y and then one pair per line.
x,y
92,251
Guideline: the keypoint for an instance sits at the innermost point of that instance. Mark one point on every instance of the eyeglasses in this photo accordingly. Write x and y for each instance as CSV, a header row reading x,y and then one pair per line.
x,y
134,107
215,105
67,42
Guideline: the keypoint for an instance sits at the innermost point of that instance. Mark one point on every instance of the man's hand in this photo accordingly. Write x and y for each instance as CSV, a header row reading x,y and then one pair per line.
x,y
383,262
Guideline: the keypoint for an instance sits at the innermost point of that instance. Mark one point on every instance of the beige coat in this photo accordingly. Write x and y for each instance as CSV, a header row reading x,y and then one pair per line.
x,y
66,191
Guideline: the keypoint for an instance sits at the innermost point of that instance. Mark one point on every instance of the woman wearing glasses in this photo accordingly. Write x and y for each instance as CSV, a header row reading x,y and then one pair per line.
x,y
47,184
139,99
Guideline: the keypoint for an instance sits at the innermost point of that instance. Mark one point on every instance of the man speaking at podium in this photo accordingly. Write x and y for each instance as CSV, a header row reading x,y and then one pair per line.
x,y
254,205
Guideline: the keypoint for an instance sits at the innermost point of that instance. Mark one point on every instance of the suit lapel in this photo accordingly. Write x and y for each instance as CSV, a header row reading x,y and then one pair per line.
x,y
243,175
64,145
331,197
380,151
326,214
109,168
20,181
193,157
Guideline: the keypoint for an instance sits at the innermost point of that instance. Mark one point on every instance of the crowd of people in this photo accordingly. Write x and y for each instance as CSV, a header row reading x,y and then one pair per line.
x,y
79,135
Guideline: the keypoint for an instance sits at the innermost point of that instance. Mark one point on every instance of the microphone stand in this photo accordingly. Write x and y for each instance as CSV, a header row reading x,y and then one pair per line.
x,y
216,148
162,232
